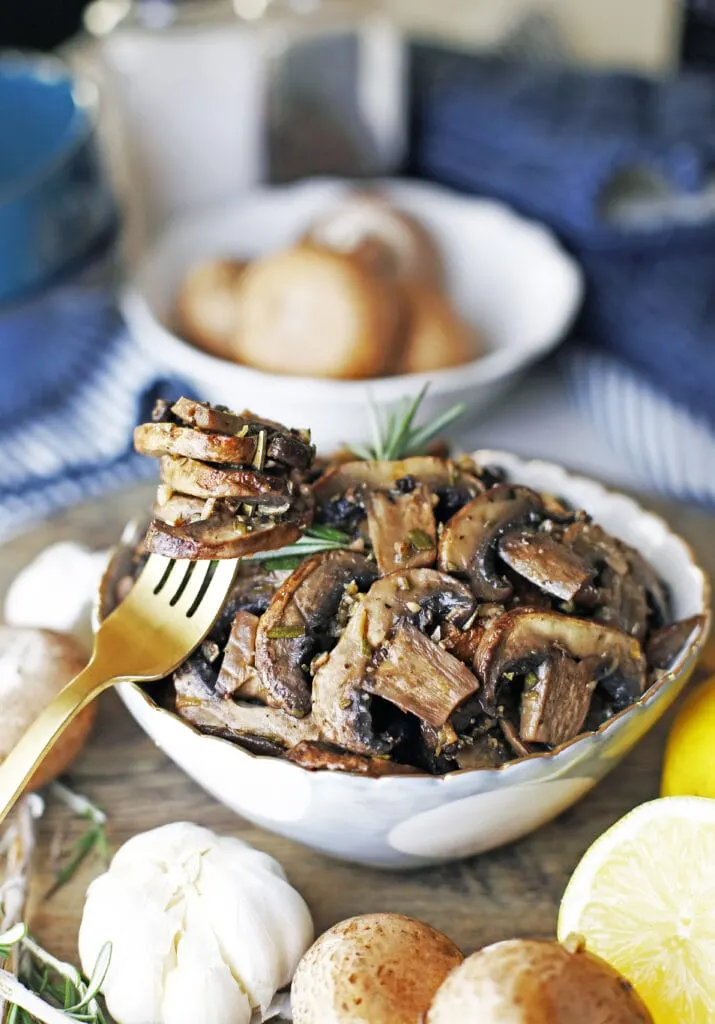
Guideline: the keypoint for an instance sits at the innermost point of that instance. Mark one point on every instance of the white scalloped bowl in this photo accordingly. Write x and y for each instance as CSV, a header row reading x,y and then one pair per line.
x,y
507,276
401,822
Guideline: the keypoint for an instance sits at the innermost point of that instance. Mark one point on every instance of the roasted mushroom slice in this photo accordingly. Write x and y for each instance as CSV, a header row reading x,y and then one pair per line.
x,y
402,529
226,534
157,439
665,646
290,447
556,699
468,545
341,705
298,617
238,675
316,757
236,721
521,640
203,480
548,564
420,677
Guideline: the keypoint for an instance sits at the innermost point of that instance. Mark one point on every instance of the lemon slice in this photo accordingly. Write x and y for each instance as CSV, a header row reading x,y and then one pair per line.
x,y
643,897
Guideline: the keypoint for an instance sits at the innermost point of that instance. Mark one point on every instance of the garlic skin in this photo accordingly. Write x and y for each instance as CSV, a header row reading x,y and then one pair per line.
x,y
56,590
204,929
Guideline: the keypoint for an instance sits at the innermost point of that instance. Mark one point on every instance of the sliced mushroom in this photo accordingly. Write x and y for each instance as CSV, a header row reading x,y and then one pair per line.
x,y
201,480
484,751
523,639
168,439
238,675
290,447
402,529
434,473
462,643
235,721
548,564
511,735
300,614
665,646
468,545
556,699
197,702
220,536
316,757
421,677
341,705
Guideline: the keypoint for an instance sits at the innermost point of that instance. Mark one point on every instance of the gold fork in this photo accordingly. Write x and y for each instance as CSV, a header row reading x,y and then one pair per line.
x,y
164,618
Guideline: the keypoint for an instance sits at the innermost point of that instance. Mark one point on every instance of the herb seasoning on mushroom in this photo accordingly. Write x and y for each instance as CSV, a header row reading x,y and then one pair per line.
x,y
398,612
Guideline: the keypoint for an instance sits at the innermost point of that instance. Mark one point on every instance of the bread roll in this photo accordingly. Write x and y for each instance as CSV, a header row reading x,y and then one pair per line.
x,y
389,241
208,305
437,337
315,313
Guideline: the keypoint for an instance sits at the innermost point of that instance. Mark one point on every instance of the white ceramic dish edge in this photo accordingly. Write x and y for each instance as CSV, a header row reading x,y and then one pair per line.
x,y
403,822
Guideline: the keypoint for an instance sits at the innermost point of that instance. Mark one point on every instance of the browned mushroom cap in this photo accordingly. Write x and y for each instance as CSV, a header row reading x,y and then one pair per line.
x,y
526,981
341,705
629,590
402,529
374,969
667,643
201,480
434,473
301,610
546,563
521,640
291,447
238,674
469,540
157,439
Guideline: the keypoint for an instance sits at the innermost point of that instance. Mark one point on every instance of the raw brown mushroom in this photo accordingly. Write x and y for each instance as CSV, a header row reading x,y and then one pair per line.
x,y
468,546
521,640
546,563
341,705
526,981
374,969
302,609
402,529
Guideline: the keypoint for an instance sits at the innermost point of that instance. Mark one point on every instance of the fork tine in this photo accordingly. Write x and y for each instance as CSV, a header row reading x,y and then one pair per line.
x,y
153,573
215,593
194,586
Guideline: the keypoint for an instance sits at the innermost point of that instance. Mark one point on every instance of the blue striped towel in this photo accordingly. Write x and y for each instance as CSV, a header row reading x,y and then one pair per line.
x,y
72,386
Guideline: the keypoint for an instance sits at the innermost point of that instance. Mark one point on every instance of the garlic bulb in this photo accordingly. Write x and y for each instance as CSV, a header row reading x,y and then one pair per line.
x,y
204,929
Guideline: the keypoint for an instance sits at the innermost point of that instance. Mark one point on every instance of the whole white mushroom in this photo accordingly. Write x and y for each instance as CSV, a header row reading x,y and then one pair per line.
x,y
204,929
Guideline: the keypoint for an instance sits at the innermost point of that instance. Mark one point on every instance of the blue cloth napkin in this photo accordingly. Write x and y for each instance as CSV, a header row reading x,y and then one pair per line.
x,y
73,384
551,141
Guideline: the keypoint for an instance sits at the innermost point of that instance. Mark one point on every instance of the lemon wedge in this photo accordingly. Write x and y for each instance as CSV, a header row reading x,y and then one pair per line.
x,y
689,765
643,898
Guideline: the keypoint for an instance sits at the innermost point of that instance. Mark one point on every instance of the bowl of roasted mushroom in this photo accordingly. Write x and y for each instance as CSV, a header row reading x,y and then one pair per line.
x,y
423,656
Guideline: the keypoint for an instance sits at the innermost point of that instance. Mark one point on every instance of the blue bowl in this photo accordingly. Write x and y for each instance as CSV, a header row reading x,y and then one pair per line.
x,y
55,207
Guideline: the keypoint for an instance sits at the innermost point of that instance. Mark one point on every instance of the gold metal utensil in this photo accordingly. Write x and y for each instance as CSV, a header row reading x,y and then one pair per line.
x,y
168,612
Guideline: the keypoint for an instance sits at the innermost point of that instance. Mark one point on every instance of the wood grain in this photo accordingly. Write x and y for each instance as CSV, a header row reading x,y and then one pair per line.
x,y
510,892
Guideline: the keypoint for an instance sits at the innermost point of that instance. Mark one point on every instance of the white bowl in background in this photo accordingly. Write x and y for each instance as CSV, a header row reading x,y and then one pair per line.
x,y
507,276
411,821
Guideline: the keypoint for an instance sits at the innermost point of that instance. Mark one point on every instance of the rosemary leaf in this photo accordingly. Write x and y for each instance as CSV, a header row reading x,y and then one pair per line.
x,y
327,533
402,431
397,437
420,437
285,632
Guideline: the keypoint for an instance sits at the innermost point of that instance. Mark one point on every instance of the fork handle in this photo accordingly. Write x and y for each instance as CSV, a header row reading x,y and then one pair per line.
x,y
19,766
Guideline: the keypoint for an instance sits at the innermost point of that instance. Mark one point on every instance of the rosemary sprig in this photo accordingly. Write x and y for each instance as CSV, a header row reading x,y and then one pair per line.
x,y
94,839
48,989
398,437
315,540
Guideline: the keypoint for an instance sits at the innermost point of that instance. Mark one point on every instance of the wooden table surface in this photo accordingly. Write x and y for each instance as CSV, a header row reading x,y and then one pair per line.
x,y
509,892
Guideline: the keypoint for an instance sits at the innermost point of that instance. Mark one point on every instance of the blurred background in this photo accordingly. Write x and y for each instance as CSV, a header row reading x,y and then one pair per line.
x,y
556,159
